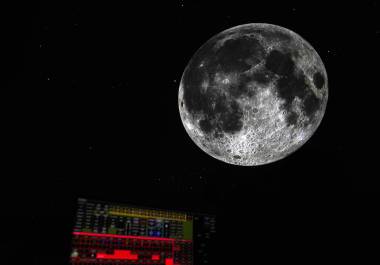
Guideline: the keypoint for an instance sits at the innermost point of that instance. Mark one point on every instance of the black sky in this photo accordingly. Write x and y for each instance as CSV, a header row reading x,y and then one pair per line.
x,y
93,110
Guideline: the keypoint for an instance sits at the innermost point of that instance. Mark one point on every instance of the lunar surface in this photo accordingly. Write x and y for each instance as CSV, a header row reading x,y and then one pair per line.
x,y
253,94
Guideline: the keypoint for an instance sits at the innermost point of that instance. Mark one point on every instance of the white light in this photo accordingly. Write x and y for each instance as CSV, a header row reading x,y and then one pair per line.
x,y
189,125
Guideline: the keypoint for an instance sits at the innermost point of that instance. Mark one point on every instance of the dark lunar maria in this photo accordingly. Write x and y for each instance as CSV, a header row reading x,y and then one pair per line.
x,y
228,74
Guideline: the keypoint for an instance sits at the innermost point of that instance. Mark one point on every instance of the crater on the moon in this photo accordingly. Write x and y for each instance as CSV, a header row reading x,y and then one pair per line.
x,y
253,94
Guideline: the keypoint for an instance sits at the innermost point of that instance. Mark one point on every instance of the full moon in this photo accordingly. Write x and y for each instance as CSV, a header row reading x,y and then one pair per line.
x,y
253,94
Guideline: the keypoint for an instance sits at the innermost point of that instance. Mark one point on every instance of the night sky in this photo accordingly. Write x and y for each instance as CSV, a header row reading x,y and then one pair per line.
x,y
93,113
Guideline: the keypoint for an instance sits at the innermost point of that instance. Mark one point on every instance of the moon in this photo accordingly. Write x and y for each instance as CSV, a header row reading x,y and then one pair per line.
x,y
253,94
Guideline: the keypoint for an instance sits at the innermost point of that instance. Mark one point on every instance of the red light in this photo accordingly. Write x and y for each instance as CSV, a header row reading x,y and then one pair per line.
x,y
169,262
177,248
156,257
118,254
132,237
